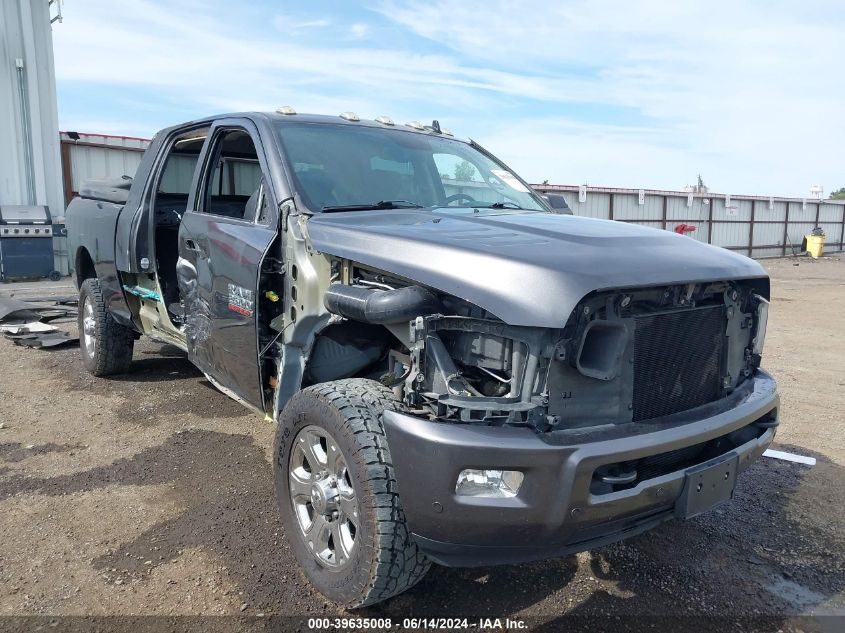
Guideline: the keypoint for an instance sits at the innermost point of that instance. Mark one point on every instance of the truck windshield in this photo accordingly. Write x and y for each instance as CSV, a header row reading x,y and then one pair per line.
x,y
340,167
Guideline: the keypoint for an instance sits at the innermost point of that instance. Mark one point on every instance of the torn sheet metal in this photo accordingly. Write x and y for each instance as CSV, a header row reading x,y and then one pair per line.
x,y
62,300
27,328
16,311
790,457
45,339
23,322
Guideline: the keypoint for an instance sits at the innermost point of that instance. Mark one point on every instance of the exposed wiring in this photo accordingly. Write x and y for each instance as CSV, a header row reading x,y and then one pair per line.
x,y
273,340
494,375
375,284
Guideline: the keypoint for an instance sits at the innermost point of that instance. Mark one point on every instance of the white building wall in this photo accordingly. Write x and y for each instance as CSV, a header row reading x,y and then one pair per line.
x,y
30,167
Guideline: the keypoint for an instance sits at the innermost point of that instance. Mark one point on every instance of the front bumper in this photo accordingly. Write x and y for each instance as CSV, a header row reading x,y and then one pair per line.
x,y
555,513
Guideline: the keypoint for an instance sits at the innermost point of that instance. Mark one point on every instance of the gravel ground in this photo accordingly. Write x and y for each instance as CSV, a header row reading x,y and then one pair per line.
x,y
151,494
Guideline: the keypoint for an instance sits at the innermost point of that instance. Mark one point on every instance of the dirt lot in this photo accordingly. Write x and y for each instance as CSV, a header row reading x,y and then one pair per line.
x,y
151,494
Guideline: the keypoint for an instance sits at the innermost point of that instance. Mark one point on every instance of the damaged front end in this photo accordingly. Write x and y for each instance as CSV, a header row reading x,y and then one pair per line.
x,y
623,356
477,370
524,442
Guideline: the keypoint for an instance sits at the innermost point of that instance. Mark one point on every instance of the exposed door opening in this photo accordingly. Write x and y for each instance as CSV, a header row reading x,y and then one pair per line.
x,y
170,201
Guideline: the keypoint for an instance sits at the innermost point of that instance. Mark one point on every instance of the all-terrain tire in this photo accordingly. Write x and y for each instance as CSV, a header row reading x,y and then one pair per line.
x,y
111,351
385,560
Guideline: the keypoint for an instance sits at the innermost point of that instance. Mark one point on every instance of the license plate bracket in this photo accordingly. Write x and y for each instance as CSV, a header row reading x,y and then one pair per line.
x,y
707,486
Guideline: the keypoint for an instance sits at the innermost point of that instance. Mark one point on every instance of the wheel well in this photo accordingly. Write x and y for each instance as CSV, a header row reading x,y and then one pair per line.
x,y
346,350
84,267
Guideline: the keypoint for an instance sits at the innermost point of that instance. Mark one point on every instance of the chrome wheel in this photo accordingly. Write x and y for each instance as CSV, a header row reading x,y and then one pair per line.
x,y
89,325
323,497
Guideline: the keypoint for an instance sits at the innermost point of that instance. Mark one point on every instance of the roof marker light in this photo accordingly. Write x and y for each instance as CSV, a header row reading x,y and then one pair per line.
x,y
384,120
349,116
415,124
285,110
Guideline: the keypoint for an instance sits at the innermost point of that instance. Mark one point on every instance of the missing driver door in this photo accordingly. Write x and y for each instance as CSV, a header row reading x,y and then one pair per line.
x,y
221,249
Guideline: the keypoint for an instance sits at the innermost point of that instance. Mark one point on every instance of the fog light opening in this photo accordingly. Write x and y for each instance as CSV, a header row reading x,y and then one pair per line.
x,y
488,483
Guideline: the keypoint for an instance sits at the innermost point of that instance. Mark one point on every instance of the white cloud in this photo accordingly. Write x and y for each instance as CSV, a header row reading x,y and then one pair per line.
x,y
359,30
625,93
622,156
288,24
747,93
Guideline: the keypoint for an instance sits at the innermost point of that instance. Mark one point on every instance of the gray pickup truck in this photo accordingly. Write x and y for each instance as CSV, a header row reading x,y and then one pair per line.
x,y
459,373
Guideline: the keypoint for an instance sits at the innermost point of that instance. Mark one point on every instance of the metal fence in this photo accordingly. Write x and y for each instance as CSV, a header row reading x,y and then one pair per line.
x,y
86,156
758,226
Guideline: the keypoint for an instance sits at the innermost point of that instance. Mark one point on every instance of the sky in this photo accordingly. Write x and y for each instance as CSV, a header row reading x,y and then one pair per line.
x,y
640,94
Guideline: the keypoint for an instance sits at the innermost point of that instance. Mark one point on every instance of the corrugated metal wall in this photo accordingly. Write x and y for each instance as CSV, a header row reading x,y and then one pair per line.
x,y
89,156
178,173
753,225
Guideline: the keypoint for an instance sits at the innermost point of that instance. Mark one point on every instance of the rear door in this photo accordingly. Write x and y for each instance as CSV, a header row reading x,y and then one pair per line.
x,y
222,243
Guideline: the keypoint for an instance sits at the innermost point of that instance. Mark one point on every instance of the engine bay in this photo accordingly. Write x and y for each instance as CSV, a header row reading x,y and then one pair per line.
x,y
622,356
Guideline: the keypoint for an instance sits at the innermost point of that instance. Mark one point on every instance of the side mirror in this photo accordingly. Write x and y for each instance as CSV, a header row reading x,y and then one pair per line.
x,y
558,203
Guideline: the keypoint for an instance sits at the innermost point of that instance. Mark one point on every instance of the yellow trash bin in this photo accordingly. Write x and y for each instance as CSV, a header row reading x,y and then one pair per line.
x,y
814,243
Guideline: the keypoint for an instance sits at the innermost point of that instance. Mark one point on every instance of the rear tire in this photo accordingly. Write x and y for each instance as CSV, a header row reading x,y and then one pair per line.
x,y
104,344
378,558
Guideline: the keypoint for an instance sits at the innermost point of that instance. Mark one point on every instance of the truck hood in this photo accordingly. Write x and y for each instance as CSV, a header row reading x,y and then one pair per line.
x,y
527,268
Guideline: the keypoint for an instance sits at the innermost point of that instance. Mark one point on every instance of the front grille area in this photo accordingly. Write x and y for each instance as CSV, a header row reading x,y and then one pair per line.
x,y
677,361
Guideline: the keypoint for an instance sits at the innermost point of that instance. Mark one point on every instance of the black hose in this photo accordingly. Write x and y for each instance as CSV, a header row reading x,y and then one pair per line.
x,y
381,306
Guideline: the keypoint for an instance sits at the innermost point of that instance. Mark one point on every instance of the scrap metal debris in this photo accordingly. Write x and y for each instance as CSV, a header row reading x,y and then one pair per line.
x,y
46,339
66,300
27,328
26,322
16,311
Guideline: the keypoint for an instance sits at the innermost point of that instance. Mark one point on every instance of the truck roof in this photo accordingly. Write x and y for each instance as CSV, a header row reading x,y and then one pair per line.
x,y
278,117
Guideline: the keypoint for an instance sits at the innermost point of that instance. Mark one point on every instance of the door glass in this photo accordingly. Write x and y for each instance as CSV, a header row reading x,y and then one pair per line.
x,y
232,187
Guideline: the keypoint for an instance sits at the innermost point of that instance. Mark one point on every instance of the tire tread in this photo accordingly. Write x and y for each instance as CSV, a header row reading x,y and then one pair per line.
x,y
399,563
115,342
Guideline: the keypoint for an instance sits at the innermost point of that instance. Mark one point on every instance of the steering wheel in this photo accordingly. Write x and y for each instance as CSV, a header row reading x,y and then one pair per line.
x,y
460,196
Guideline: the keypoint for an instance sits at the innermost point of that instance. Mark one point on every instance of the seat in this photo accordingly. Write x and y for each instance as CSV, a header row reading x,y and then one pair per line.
x,y
251,205
389,184
318,188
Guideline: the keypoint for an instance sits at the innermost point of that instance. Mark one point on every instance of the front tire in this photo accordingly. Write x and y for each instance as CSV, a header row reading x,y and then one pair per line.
x,y
338,497
105,345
